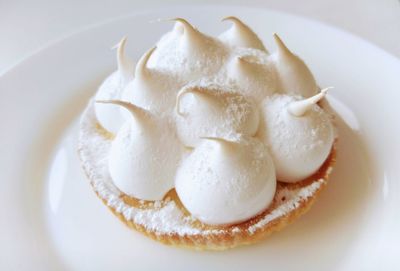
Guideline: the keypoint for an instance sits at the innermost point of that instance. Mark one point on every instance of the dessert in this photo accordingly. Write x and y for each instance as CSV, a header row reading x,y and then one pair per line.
x,y
209,143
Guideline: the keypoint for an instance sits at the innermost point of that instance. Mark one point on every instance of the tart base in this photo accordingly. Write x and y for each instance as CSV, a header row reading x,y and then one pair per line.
x,y
167,221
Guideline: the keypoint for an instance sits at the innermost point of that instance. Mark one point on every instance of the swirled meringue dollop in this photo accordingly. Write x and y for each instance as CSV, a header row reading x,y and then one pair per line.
x,y
212,111
188,52
152,89
295,77
226,182
253,72
144,155
109,116
299,135
240,35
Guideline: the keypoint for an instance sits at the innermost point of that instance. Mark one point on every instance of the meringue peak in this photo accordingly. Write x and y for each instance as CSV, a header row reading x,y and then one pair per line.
x,y
212,111
186,25
136,111
255,79
299,108
141,66
241,35
112,88
234,20
178,28
144,155
299,144
295,76
188,53
125,66
243,62
194,41
245,67
221,185
282,48
189,30
193,90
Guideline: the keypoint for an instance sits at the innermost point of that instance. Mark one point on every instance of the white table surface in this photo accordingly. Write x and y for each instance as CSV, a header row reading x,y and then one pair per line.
x,y
26,26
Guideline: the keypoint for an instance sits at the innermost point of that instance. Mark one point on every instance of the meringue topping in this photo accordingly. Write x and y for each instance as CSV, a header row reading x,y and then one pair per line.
x,y
295,77
187,52
152,89
299,108
144,155
299,135
217,88
240,35
210,111
226,182
112,88
253,74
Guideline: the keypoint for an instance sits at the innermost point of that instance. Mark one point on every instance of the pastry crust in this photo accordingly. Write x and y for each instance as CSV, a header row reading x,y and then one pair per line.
x,y
290,201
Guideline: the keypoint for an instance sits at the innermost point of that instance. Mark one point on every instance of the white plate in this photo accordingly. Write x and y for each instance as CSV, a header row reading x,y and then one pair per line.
x,y
50,219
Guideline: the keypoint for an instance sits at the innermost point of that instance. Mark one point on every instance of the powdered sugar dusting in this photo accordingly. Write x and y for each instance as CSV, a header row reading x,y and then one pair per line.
x,y
165,217
292,201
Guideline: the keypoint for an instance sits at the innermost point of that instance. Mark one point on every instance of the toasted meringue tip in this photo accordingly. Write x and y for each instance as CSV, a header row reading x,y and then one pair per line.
x,y
142,63
125,66
182,21
299,108
232,19
319,96
281,45
120,44
276,36
325,90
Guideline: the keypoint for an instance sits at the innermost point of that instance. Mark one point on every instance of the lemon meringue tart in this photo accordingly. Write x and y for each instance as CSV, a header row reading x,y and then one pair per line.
x,y
208,142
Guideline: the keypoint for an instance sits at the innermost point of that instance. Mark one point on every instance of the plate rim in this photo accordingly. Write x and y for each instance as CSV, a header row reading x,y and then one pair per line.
x,y
143,11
